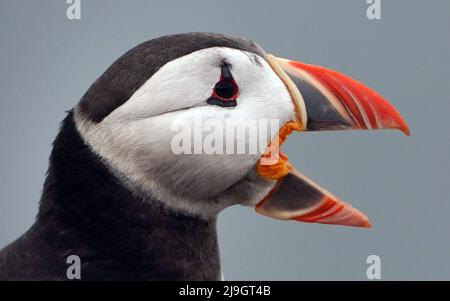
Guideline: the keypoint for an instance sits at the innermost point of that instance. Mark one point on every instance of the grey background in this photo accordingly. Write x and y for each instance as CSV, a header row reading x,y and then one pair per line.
x,y
47,62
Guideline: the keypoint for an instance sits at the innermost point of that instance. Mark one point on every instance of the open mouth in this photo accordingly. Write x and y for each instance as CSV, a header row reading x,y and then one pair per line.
x,y
323,100
295,197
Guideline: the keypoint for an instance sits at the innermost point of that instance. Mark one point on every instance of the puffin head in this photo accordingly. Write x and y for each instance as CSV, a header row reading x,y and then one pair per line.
x,y
195,121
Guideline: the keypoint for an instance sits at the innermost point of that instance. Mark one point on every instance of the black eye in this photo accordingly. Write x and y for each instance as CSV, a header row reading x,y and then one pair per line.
x,y
225,91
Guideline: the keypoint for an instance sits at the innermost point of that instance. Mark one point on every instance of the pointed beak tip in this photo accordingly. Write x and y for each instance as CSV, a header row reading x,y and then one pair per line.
x,y
359,222
405,129
367,224
401,124
362,222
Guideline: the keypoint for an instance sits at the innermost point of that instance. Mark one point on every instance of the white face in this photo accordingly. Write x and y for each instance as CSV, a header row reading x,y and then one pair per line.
x,y
135,140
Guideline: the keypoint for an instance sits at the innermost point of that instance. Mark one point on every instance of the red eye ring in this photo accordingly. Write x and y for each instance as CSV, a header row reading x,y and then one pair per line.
x,y
225,89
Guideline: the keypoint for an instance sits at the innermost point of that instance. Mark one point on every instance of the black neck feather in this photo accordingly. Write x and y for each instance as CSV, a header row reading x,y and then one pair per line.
x,y
86,211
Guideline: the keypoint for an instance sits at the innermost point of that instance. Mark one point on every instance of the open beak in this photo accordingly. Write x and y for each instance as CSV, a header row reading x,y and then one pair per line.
x,y
324,100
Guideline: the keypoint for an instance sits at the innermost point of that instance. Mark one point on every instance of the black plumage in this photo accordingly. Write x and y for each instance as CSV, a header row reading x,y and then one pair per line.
x,y
86,211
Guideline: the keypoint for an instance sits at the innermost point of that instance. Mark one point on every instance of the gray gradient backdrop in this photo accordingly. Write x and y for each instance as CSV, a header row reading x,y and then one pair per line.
x,y
47,62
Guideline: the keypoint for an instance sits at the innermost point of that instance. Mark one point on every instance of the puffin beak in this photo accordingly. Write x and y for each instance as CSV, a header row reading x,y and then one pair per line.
x,y
329,100
295,197
324,100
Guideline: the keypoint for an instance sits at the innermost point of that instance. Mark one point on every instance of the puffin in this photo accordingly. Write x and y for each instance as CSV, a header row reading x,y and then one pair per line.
x,y
120,198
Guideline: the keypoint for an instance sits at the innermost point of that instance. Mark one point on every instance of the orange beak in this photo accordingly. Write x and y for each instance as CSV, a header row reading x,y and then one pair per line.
x,y
295,197
329,100
324,100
